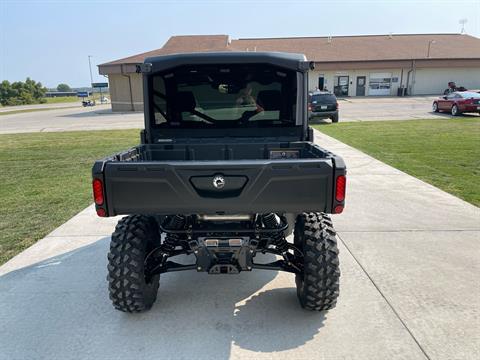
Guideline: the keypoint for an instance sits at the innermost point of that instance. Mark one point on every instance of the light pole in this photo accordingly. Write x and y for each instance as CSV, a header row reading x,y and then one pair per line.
x,y
429,46
463,22
90,66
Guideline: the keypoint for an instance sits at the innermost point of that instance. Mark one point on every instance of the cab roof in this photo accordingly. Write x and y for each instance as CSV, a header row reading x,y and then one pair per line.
x,y
297,62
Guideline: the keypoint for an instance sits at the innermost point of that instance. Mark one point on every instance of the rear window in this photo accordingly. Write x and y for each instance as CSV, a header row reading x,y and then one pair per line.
x,y
215,96
324,99
469,95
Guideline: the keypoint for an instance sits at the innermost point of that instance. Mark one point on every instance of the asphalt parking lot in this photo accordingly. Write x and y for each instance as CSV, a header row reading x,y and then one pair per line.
x,y
4,109
102,118
409,289
69,119
386,108
390,108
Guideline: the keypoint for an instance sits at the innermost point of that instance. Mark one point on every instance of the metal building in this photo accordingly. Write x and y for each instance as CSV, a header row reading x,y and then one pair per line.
x,y
373,65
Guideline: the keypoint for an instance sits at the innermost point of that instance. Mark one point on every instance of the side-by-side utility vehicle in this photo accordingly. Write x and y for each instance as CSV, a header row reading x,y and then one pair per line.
x,y
225,172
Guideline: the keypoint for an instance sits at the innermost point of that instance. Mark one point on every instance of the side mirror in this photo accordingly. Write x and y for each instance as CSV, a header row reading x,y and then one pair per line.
x,y
444,98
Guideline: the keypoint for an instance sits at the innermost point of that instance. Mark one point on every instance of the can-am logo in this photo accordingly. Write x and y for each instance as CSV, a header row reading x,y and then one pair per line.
x,y
219,181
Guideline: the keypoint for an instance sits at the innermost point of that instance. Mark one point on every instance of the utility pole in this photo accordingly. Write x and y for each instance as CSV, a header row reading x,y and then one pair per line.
x,y
90,66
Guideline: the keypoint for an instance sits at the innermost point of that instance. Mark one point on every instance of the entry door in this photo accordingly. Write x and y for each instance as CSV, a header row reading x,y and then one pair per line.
x,y
321,82
361,80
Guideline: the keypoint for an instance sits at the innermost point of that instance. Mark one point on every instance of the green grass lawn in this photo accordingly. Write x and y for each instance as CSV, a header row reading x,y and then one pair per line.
x,y
70,99
45,179
62,99
442,152
57,100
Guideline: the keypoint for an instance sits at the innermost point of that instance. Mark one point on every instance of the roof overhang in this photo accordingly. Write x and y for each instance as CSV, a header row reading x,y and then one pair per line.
x,y
111,69
239,57
395,64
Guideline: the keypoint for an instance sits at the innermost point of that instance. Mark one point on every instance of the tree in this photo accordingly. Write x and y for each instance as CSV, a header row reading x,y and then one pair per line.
x,y
63,88
21,93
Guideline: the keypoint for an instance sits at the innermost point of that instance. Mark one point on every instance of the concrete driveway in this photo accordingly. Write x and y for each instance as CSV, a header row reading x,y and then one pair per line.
x,y
101,117
409,256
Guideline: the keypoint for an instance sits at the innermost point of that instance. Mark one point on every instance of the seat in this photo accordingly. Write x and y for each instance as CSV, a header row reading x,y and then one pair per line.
x,y
269,100
185,102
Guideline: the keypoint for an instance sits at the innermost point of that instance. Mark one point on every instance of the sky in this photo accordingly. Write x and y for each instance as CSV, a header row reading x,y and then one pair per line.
x,y
49,41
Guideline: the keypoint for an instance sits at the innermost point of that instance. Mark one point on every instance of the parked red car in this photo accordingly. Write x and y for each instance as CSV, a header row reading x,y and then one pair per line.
x,y
458,102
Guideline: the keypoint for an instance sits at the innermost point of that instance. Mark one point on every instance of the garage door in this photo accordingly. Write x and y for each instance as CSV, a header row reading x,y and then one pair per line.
x,y
380,84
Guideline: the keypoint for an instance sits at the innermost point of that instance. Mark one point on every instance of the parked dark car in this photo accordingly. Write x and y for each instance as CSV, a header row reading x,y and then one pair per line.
x,y
322,105
458,102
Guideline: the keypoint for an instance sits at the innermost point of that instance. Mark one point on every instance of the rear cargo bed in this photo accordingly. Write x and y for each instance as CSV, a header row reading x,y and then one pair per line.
x,y
232,151
258,177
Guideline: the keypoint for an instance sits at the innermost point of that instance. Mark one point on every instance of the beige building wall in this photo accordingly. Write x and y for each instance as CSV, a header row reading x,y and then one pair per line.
x,y
434,81
120,92
331,77
423,81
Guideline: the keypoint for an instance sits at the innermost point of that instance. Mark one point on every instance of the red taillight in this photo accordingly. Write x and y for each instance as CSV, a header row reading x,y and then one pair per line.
x,y
101,212
340,186
336,105
338,209
309,107
97,191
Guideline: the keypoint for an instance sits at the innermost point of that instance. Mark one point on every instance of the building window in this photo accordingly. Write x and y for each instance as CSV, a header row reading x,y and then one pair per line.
x,y
341,85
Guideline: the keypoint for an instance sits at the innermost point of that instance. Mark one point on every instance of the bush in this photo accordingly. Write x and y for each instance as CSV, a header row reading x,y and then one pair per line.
x,y
21,93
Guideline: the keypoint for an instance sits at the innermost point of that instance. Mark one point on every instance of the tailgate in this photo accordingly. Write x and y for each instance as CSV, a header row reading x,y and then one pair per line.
x,y
230,187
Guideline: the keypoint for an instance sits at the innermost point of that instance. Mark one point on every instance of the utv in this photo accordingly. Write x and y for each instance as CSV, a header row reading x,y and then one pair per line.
x,y
226,169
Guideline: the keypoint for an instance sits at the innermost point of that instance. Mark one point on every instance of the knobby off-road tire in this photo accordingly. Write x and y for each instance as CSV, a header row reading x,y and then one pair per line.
x,y
318,286
134,237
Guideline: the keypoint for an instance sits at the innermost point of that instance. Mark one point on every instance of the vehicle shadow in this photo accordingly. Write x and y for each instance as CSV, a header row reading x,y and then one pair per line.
x,y
450,116
59,309
320,122
273,321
